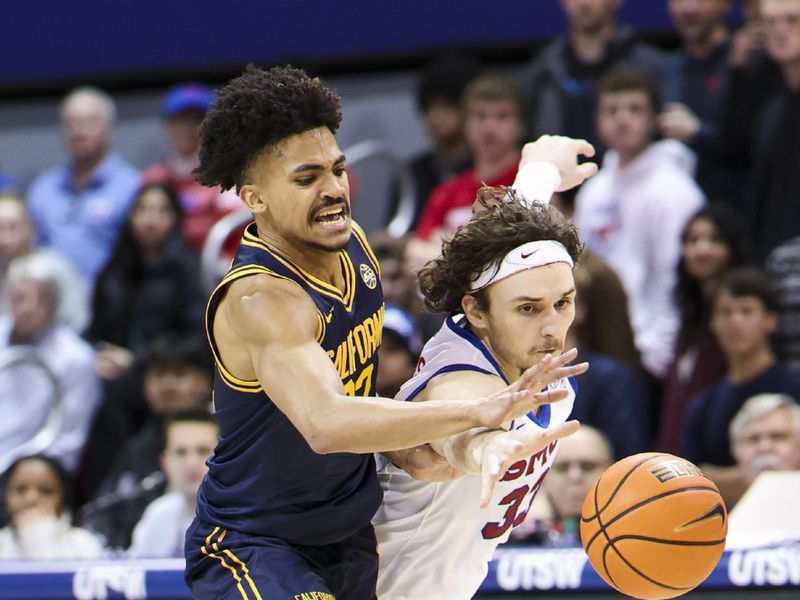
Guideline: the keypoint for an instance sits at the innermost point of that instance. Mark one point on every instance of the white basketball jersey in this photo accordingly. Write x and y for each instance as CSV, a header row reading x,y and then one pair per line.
x,y
434,541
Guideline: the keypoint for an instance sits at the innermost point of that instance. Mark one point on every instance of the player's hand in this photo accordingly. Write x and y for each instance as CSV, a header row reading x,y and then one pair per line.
x,y
424,463
528,393
677,121
563,152
506,448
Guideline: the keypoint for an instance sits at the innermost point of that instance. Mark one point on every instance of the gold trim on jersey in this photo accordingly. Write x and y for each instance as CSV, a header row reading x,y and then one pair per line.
x,y
233,382
362,239
346,297
233,570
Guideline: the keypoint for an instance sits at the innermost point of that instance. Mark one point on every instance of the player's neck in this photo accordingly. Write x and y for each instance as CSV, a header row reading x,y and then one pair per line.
x,y
321,263
745,367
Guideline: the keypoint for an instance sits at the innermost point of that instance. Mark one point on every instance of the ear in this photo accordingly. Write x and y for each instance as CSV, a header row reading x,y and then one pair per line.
x,y
772,322
474,314
252,198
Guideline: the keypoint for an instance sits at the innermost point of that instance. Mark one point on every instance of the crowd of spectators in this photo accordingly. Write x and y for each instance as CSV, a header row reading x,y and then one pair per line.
x,y
688,303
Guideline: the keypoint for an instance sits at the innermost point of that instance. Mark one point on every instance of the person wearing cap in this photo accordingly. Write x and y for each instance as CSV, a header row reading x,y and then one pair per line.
x,y
78,209
505,279
183,110
400,347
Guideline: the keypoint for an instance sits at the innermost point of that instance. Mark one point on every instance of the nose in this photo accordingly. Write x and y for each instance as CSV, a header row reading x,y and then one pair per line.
x,y
550,324
334,186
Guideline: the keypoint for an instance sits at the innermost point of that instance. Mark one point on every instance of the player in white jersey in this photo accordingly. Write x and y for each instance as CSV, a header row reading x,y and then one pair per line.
x,y
506,280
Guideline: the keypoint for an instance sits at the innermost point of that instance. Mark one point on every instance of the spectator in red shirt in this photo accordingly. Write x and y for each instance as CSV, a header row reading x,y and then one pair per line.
x,y
494,127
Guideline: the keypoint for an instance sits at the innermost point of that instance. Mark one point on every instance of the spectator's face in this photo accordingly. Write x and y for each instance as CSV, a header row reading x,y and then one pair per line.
x,y
589,15
445,122
529,315
782,30
188,446
581,459
397,283
16,231
493,128
152,219
395,365
171,389
34,486
771,443
705,254
695,20
741,325
86,127
182,132
626,121
301,193
33,307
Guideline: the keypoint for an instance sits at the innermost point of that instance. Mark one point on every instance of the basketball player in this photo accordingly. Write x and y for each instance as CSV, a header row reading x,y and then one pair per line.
x,y
284,511
506,279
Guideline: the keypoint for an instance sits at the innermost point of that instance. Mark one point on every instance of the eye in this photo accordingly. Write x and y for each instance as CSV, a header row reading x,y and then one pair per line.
x,y
563,303
306,181
528,309
339,170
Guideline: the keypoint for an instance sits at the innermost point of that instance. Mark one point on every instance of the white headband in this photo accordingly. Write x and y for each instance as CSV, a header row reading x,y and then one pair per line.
x,y
527,256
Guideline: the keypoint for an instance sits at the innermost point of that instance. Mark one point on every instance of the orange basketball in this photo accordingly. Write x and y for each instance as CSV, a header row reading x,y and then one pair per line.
x,y
654,526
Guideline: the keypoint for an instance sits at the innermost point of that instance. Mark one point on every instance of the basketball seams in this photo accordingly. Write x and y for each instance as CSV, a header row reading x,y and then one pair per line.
x,y
616,489
611,546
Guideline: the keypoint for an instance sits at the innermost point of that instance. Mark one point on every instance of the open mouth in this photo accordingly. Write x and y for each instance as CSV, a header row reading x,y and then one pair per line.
x,y
332,215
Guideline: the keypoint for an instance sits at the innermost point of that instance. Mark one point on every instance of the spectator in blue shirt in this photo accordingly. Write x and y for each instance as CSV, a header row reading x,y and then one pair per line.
x,y
79,208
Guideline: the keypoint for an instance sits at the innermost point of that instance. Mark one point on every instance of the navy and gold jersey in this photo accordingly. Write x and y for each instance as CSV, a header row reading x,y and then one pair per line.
x,y
263,478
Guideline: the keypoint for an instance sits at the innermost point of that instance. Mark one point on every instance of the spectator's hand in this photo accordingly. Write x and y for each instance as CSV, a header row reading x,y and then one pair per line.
x,y
563,152
424,463
744,43
506,448
677,121
112,362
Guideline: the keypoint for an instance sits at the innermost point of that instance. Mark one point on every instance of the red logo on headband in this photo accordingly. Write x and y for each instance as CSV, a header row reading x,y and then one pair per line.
x,y
524,256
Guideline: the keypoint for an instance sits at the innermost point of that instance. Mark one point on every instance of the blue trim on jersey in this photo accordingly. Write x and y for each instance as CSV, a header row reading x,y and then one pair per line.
x,y
543,418
447,369
473,339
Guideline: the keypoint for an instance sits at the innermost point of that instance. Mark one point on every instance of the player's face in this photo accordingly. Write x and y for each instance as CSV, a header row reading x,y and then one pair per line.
x,y
771,443
781,20
152,219
581,459
705,253
528,317
741,324
626,122
493,128
188,446
305,192
34,486
695,20
16,231
589,15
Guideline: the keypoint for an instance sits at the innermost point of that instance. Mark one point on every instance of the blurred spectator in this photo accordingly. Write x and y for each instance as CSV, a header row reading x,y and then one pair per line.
x,y
27,395
581,459
36,498
183,110
439,87
494,126
632,212
765,436
79,208
712,242
743,315
613,398
150,285
177,378
189,439
783,265
8,185
693,88
18,238
400,348
561,80
607,326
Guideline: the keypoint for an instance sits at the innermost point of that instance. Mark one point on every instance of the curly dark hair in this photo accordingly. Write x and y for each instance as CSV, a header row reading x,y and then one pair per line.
x,y
502,221
256,110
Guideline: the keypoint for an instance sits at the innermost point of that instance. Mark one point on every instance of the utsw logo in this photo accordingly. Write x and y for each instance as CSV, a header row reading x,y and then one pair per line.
x,y
99,582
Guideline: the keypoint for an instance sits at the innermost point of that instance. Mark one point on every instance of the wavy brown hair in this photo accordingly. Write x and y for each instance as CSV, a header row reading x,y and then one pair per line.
x,y
501,223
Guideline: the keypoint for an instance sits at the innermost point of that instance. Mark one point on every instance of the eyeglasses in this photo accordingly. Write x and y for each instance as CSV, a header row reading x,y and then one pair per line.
x,y
584,466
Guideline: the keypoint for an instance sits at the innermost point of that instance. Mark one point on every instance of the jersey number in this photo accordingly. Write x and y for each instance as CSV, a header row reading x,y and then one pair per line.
x,y
361,386
513,517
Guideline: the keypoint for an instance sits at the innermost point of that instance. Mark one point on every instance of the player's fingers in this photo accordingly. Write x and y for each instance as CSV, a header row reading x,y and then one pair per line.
x,y
586,170
584,148
490,475
550,396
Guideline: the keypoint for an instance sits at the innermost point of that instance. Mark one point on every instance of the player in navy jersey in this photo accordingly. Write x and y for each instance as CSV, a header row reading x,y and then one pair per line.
x,y
284,512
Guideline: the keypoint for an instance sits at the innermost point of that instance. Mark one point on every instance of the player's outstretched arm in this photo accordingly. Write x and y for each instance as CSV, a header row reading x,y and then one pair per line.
x,y
550,164
276,322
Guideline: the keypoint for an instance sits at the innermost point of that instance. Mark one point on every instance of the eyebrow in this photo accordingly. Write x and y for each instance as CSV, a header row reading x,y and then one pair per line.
x,y
532,299
316,166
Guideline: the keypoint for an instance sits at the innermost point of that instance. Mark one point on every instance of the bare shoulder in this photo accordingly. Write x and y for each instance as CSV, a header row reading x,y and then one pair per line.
x,y
461,385
262,308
